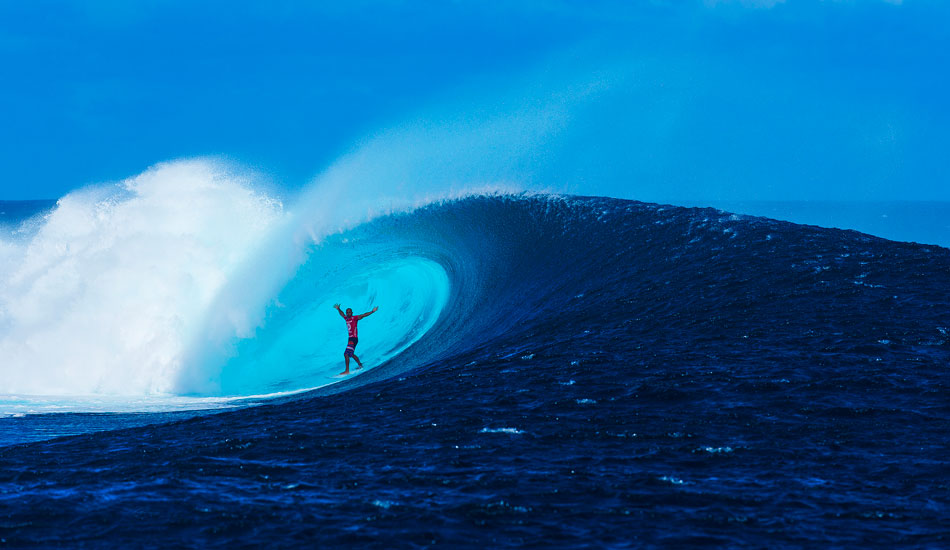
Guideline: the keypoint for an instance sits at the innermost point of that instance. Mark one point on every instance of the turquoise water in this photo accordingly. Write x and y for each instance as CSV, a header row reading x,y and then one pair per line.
x,y
300,344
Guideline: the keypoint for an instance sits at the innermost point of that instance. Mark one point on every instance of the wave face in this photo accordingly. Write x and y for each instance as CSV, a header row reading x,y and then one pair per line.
x,y
556,369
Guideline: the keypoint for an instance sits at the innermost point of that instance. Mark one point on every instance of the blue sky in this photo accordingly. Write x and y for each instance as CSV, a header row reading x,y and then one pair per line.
x,y
661,101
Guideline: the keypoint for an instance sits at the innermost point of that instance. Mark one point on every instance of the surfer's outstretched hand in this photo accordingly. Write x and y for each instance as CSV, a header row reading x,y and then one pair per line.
x,y
375,308
336,306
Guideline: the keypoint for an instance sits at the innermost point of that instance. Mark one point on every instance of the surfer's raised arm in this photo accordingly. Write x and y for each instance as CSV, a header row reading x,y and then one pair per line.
x,y
368,313
340,311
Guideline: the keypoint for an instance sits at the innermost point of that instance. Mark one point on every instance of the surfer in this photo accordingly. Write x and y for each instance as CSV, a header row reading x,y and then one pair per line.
x,y
351,321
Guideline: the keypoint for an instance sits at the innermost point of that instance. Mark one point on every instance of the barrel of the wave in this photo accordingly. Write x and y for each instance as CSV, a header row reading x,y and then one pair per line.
x,y
298,345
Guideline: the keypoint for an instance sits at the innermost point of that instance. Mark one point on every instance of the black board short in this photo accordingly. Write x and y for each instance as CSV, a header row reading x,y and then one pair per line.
x,y
351,345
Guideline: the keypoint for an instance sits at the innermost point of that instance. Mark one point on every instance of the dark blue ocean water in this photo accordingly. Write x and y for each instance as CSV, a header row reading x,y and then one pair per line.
x,y
926,222
606,373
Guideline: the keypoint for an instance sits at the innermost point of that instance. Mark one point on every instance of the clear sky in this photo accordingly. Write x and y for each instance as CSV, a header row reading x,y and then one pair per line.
x,y
652,100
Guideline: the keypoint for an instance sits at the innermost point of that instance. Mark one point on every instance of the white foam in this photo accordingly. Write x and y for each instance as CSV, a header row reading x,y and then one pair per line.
x,y
515,431
673,480
100,297
715,450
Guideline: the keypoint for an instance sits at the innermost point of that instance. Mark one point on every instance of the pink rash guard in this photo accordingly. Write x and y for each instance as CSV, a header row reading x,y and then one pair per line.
x,y
351,325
